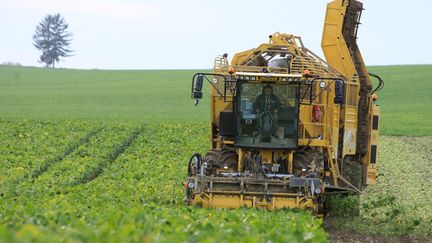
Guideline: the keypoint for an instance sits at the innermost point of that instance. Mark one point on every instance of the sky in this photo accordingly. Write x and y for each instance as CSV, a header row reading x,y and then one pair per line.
x,y
188,34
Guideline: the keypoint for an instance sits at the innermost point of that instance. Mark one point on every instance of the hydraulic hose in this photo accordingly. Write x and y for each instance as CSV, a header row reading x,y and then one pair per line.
x,y
380,83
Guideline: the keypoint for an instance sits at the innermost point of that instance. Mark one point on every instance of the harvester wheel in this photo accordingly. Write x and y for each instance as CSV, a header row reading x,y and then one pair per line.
x,y
220,158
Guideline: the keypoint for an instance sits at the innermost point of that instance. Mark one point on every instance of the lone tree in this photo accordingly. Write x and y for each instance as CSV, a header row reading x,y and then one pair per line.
x,y
52,38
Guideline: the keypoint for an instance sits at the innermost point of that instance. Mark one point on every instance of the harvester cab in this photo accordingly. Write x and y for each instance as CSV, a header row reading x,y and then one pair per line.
x,y
287,127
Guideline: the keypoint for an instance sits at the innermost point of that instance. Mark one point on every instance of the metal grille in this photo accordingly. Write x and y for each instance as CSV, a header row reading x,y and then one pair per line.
x,y
352,89
316,66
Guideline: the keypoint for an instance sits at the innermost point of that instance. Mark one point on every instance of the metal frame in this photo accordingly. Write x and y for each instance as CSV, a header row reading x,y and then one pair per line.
x,y
310,85
205,76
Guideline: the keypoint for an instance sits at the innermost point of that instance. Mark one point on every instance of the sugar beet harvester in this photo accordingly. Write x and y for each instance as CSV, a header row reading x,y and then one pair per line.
x,y
287,127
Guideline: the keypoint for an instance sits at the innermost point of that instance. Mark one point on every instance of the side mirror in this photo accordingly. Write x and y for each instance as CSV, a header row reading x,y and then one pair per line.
x,y
199,83
339,92
197,88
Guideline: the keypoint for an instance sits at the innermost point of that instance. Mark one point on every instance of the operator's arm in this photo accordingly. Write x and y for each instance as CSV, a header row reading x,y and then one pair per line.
x,y
277,103
257,104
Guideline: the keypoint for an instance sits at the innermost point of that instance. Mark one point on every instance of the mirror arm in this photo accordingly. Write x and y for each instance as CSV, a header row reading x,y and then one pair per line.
x,y
205,76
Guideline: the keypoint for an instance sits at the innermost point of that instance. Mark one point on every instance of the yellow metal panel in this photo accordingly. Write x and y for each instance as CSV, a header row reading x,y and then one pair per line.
x,y
374,141
376,111
312,142
290,162
241,56
267,156
219,105
241,157
350,131
371,175
335,130
235,201
333,43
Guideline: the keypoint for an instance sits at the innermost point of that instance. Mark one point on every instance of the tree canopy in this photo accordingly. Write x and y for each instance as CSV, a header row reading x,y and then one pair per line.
x,y
53,39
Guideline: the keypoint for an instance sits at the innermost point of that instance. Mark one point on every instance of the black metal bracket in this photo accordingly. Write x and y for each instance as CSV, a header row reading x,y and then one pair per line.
x,y
205,76
311,84
225,89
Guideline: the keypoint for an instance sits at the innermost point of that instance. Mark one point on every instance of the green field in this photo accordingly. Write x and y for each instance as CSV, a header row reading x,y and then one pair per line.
x,y
33,93
108,190
406,100
99,156
399,204
121,181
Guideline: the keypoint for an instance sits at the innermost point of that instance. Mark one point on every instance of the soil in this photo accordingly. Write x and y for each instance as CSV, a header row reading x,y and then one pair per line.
x,y
351,237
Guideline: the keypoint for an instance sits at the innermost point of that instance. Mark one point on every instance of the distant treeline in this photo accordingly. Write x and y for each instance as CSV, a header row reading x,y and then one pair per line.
x,y
14,64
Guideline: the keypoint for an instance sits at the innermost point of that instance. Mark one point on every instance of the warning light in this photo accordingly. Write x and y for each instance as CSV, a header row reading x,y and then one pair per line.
x,y
307,73
231,70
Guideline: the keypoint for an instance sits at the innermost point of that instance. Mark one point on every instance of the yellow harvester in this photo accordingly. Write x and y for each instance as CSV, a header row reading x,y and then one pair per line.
x,y
287,127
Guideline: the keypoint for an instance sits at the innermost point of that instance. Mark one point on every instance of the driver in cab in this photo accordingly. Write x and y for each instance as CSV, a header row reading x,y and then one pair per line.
x,y
266,107
267,101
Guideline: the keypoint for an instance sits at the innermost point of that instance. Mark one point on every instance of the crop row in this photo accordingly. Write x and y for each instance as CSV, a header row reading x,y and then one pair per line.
x,y
28,148
84,164
123,182
138,196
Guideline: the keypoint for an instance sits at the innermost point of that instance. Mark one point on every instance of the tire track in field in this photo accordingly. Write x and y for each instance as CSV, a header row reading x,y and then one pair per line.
x,y
115,153
42,169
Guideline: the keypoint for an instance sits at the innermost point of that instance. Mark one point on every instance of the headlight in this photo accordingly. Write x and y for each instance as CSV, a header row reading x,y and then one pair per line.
x,y
322,84
191,185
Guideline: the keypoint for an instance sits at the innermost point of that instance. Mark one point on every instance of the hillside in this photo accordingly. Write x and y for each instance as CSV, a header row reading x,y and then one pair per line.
x,y
44,94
